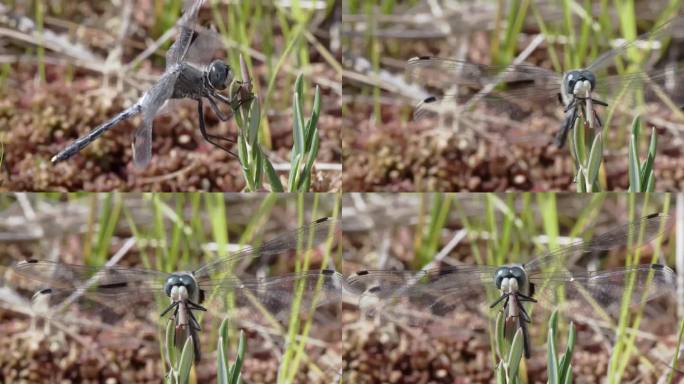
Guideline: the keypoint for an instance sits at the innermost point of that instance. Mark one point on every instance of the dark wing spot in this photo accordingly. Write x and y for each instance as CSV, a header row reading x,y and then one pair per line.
x,y
652,215
361,273
112,285
321,220
328,272
657,267
430,99
45,291
374,289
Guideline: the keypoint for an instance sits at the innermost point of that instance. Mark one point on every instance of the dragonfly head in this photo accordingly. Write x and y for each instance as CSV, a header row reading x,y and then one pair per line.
x,y
580,82
510,279
181,287
219,75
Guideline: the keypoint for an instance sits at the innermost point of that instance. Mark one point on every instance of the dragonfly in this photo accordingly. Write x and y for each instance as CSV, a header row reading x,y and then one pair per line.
x,y
181,79
436,293
188,290
526,83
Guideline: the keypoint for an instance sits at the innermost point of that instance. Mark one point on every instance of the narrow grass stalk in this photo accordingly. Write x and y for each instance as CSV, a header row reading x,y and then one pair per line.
x,y
510,356
179,362
675,358
305,137
247,112
559,369
227,372
109,218
588,159
641,176
428,241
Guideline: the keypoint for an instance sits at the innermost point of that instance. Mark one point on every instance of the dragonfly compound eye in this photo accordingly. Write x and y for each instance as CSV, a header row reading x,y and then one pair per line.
x,y
501,274
171,282
219,75
520,276
570,81
189,284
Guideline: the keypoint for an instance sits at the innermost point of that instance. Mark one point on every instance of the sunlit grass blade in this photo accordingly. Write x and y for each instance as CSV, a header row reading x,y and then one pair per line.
x,y
305,137
227,373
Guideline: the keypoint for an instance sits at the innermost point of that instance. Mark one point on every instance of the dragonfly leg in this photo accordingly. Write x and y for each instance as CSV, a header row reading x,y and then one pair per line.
x,y
196,306
523,313
570,105
170,307
195,344
194,324
522,297
599,102
569,122
526,340
212,103
234,103
503,297
598,119
208,137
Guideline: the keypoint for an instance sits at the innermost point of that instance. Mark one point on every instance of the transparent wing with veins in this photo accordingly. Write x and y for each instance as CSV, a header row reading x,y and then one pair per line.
x,y
155,98
600,293
422,296
110,287
274,296
658,33
179,49
523,83
312,234
646,229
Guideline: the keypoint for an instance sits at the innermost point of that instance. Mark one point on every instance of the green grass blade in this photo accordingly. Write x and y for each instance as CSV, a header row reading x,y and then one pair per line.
x,y
595,159
170,344
633,165
222,367
186,360
235,375
647,172
515,355
273,179
566,360
552,359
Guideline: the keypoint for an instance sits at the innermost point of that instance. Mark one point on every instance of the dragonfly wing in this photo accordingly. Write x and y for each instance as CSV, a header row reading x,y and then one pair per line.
x,y
204,45
658,33
446,72
180,47
112,280
313,234
99,289
521,88
620,86
599,294
420,297
315,294
151,102
646,229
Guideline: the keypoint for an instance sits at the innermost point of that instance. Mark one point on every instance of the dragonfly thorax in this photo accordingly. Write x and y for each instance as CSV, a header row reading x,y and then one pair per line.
x,y
511,279
579,82
219,75
181,287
